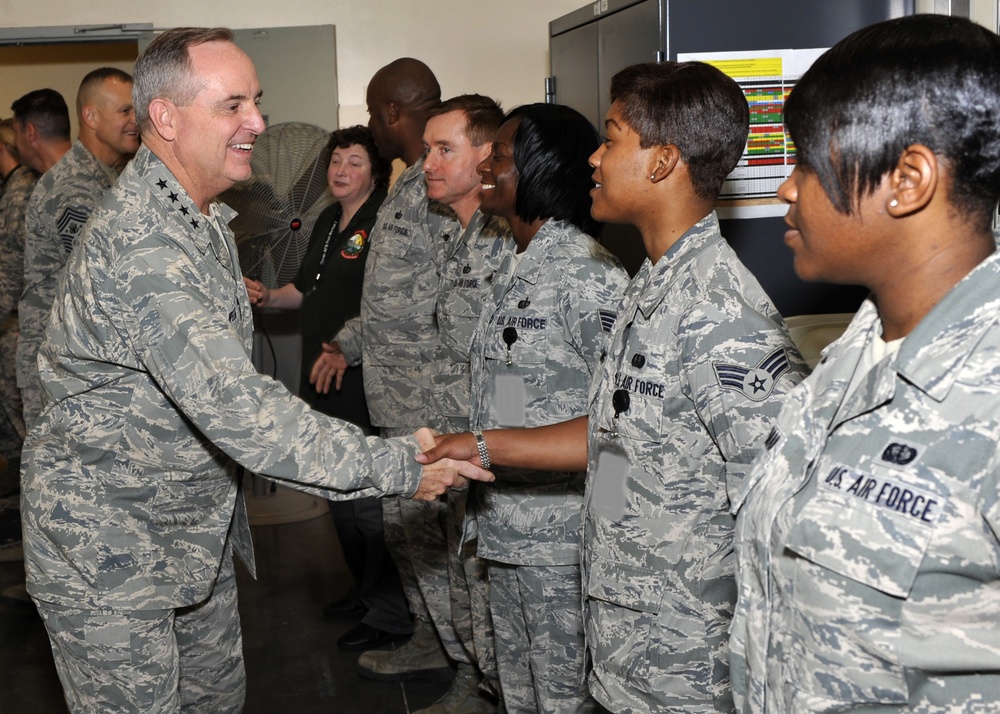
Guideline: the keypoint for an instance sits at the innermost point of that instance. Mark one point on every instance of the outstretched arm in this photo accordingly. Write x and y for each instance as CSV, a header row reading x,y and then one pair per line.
x,y
555,447
287,297
438,477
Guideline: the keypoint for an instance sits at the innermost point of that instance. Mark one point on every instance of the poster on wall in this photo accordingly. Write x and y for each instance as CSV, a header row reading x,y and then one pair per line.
x,y
766,77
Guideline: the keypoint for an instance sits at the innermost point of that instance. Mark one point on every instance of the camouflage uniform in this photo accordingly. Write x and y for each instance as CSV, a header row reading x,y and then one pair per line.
x,y
868,545
465,280
57,211
13,203
129,497
559,296
702,355
395,337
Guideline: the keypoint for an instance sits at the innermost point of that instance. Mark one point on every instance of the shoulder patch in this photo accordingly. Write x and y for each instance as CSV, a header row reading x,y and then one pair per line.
x,y
70,224
755,383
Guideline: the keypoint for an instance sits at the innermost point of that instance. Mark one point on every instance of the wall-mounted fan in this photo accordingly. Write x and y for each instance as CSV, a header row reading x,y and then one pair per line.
x,y
280,201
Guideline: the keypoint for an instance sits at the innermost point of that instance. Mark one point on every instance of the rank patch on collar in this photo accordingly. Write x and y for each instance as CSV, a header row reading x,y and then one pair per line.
x,y
608,319
755,383
355,245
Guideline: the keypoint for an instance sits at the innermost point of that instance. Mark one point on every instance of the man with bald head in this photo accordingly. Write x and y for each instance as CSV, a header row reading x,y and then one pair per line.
x,y
394,338
60,205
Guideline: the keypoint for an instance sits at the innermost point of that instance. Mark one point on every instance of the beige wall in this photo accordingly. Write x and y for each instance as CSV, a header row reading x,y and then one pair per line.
x,y
496,47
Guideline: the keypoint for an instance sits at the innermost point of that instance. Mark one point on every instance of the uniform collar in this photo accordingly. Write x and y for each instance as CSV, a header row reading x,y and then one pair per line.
x,y
933,353
549,234
176,201
696,239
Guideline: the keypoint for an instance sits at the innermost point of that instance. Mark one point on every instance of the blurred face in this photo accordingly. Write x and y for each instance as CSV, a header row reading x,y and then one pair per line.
x,y
350,174
498,174
215,133
114,117
828,245
378,122
450,162
25,149
621,172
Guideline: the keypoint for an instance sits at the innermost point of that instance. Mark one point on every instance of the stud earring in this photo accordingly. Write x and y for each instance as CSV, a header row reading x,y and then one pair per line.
x,y
893,203
652,177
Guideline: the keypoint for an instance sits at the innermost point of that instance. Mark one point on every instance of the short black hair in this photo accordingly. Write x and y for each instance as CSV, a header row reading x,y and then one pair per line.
x,y
47,110
922,79
693,106
362,136
552,145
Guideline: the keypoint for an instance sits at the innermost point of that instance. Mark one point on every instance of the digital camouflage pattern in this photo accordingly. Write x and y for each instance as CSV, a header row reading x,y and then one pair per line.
x,y
58,209
394,337
868,544
13,204
112,661
703,357
548,606
396,332
560,296
466,277
129,495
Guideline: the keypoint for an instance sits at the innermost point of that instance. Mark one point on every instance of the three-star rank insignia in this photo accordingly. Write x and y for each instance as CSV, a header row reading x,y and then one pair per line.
x,y
755,383
355,244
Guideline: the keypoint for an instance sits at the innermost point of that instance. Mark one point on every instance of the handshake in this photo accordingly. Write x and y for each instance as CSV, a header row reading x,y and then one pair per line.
x,y
450,461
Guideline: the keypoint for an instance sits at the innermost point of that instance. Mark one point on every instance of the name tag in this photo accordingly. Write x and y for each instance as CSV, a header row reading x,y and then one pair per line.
x,y
886,493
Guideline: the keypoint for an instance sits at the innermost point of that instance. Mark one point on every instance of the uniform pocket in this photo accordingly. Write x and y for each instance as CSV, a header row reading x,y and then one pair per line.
x,y
858,564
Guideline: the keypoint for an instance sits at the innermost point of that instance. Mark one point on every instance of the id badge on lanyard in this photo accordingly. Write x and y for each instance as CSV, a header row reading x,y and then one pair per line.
x,y
509,393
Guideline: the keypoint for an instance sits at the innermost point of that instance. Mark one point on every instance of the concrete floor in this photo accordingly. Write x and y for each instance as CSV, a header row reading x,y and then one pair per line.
x,y
293,664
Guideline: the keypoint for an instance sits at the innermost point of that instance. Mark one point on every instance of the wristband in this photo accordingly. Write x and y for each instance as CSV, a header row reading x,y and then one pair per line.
x,y
484,454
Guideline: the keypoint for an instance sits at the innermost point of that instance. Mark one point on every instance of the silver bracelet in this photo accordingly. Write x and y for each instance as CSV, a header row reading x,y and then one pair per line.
x,y
484,454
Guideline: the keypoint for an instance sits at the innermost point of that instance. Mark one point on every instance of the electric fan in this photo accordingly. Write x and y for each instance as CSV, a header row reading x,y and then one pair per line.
x,y
277,207
279,203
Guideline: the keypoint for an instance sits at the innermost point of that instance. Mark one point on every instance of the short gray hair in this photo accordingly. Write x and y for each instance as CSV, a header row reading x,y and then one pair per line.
x,y
164,69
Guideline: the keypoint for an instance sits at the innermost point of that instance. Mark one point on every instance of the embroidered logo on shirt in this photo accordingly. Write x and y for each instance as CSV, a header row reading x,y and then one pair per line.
x,y
898,452
885,493
70,224
355,245
608,319
755,383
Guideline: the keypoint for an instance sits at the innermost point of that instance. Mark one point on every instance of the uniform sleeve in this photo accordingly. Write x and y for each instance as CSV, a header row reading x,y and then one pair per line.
x,y
12,214
179,325
737,364
349,339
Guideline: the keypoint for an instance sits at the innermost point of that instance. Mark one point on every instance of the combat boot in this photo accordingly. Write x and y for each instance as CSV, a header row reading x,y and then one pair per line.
x,y
422,657
465,696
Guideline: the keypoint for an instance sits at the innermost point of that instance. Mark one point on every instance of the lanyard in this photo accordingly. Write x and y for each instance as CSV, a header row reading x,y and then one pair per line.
x,y
326,248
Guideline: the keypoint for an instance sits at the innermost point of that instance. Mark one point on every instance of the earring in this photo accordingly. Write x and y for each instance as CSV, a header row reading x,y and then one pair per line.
x,y
652,177
893,203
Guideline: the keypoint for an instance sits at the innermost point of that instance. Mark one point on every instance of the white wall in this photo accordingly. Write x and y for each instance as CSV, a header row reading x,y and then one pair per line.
x,y
495,47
